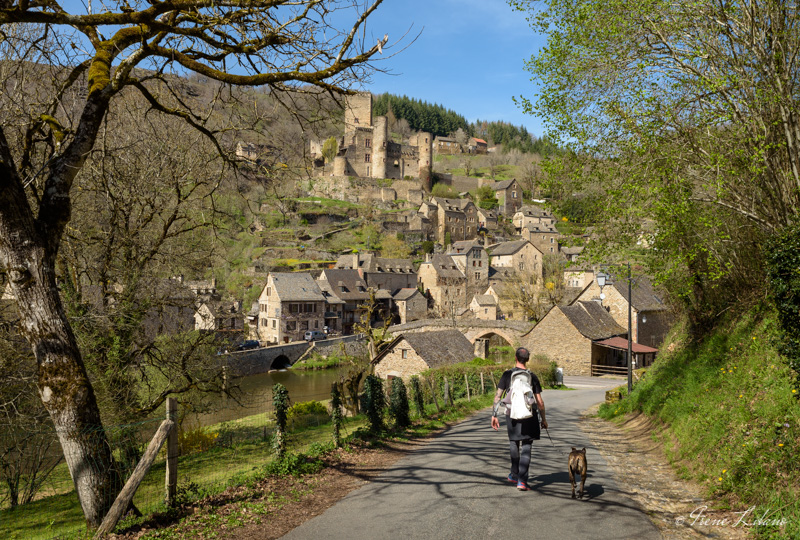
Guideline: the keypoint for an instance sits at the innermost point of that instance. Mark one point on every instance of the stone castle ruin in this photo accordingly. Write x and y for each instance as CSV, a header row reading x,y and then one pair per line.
x,y
367,151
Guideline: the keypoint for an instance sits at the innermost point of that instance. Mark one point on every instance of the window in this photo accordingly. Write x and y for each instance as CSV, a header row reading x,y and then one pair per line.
x,y
368,143
477,275
405,353
485,311
269,291
367,158
521,265
303,325
291,326
513,194
551,240
294,308
274,323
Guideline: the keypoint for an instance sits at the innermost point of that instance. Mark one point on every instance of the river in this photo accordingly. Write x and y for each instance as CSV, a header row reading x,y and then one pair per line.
x,y
255,392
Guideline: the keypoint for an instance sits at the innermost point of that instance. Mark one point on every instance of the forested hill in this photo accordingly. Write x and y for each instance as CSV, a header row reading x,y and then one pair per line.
x,y
435,119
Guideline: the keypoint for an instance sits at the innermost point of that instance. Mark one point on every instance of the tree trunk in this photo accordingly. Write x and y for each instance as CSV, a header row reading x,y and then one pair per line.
x,y
62,380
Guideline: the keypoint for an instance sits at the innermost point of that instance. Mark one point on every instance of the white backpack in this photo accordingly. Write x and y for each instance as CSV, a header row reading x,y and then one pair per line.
x,y
520,386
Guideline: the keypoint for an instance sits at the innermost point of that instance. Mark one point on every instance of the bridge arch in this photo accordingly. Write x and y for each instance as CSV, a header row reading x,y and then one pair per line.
x,y
281,362
474,334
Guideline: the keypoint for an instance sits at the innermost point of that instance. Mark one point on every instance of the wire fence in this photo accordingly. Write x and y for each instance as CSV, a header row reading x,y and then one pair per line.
x,y
38,498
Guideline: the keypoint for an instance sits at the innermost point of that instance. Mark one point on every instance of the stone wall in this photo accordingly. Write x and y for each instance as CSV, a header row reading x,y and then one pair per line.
x,y
556,337
353,346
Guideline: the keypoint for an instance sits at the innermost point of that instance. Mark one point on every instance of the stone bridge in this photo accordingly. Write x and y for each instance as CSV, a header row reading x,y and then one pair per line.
x,y
477,331
282,356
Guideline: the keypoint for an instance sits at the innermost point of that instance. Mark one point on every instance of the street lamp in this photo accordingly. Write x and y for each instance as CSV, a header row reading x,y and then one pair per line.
x,y
630,336
602,278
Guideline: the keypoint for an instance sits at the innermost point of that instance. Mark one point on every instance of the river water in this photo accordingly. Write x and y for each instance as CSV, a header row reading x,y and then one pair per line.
x,y
254,393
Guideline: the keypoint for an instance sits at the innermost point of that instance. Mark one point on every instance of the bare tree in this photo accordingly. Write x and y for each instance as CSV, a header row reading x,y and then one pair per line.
x,y
63,70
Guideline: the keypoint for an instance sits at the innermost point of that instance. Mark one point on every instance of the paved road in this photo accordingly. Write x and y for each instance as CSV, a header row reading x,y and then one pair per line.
x,y
455,488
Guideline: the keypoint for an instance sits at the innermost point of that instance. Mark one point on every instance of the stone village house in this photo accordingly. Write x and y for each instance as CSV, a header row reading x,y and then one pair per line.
x,y
346,289
569,336
380,273
411,354
544,237
509,195
410,305
519,256
650,316
290,304
444,284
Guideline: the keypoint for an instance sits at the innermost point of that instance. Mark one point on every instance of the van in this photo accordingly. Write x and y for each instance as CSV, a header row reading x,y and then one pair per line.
x,y
313,335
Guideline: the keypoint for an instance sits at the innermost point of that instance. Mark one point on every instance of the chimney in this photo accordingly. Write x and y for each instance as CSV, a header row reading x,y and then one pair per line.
x,y
355,261
427,257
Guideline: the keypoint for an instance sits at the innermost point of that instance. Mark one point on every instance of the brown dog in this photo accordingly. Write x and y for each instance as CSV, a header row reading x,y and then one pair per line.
x,y
577,465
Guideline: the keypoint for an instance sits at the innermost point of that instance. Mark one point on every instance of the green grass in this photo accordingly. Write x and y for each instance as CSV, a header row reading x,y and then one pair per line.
x,y
207,472
732,417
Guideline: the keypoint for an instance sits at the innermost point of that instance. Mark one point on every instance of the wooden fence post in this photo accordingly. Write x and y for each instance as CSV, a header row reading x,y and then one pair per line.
x,y
171,481
125,496
447,400
466,381
433,393
483,386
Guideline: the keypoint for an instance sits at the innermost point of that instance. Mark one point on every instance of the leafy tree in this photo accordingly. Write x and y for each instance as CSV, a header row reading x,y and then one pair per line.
x,y
64,69
393,247
681,114
486,197
330,148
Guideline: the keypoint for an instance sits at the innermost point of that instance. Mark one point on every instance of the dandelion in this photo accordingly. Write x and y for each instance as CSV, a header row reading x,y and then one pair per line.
x,y
724,471
794,391
720,479
740,395
780,444
754,338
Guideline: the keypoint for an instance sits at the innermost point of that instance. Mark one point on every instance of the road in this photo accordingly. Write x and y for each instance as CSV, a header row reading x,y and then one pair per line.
x,y
455,487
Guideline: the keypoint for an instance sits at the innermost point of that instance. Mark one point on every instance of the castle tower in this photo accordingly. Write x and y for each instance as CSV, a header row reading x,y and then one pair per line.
x,y
357,111
425,145
379,147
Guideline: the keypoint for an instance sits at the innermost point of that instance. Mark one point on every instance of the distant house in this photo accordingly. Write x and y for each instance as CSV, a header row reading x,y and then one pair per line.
x,y
446,285
473,261
571,253
456,217
477,146
520,256
446,145
223,317
411,354
410,305
569,335
290,304
484,307
544,237
346,295
487,218
509,195
532,215
650,316
381,273
578,277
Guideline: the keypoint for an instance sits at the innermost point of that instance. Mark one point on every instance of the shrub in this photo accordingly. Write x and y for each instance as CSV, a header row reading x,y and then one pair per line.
x,y
398,404
195,440
280,400
374,402
307,413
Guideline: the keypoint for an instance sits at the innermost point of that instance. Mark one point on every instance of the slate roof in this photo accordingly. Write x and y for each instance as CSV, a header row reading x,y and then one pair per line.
x,y
437,349
505,184
296,287
451,205
405,294
464,246
508,248
592,320
332,281
485,300
541,228
445,266
371,263
644,296
575,250
534,211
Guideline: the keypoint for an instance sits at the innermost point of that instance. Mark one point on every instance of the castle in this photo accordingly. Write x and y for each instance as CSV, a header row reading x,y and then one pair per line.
x,y
367,151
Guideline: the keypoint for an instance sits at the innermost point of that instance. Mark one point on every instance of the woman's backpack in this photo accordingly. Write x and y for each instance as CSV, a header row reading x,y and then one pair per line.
x,y
520,395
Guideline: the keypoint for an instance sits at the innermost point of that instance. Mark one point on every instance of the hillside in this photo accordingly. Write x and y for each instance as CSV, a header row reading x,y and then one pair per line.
x,y
730,418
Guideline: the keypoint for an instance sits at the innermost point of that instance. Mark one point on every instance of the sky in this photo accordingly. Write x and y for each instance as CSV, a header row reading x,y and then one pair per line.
x,y
469,56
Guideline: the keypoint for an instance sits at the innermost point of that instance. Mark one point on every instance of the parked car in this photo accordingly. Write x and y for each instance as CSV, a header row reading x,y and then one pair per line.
x,y
313,335
247,345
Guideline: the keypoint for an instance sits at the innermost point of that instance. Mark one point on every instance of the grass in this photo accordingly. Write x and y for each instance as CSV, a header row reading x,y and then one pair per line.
x,y
732,418
210,472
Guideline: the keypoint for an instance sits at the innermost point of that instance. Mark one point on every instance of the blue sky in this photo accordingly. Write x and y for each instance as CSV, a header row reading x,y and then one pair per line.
x,y
469,58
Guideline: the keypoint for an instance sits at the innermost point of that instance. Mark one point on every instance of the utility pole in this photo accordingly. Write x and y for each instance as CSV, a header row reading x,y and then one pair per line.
x,y
630,335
